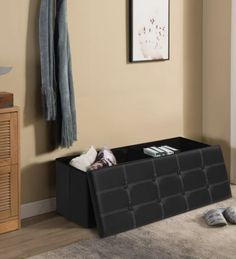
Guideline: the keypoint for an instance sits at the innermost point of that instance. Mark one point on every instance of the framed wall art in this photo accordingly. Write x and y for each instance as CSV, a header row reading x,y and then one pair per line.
x,y
149,30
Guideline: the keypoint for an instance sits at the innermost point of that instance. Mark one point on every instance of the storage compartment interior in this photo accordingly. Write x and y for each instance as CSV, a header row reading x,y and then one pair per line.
x,y
135,152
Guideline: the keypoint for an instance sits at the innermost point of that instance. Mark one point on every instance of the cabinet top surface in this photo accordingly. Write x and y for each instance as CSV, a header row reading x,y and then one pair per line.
x,y
10,109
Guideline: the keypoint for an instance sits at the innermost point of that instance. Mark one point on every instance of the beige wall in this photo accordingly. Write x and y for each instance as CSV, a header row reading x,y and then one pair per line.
x,y
192,67
117,103
233,95
216,73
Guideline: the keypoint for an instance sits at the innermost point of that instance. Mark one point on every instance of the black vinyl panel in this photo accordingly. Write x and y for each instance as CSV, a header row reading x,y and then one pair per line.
x,y
117,222
170,185
139,171
216,173
140,192
144,192
194,179
190,160
166,165
148,213
106,180
220,191
198,198
174,205
73,194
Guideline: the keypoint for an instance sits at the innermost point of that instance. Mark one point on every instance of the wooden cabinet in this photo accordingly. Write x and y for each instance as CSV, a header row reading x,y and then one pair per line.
x,y
9,170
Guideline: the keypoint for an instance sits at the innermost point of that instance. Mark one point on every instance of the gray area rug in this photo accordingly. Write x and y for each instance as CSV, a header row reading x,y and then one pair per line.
x,y
182,236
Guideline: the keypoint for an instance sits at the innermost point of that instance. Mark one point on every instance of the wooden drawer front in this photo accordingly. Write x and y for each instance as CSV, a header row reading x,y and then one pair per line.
x,y
8,138
5,141
8,191
5,191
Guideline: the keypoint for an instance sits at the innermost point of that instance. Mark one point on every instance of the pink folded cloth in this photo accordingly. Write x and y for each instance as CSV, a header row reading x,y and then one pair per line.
x,y
104,158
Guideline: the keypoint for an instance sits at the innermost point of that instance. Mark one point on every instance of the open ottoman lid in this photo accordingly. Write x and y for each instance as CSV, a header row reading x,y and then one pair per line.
x,y
140,192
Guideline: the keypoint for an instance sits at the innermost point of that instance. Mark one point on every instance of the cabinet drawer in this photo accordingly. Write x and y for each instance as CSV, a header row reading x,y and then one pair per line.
x,y
8,191
8,138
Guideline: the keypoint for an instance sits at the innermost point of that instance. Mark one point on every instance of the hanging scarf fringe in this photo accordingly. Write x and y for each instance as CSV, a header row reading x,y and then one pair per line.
x,y
56,70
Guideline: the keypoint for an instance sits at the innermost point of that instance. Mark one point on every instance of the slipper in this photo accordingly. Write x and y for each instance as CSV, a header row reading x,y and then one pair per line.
x,y
230,215
215,217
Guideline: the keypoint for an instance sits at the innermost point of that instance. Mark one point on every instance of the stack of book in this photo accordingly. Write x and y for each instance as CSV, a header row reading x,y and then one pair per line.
x,y
160,151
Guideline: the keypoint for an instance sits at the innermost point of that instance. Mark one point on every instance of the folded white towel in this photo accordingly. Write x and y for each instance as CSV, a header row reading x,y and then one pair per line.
x,y
84,161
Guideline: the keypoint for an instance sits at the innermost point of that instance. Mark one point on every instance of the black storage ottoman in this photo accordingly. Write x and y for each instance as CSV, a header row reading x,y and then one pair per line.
x,y
140,189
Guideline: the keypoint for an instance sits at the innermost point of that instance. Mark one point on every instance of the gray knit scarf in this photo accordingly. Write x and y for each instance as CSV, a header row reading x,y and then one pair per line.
x,y
56,71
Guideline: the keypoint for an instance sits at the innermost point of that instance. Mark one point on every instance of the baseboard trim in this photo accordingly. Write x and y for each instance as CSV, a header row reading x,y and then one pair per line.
x,y
32,209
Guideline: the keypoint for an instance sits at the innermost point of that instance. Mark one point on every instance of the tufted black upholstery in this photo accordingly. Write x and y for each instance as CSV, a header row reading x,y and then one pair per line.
x,y
139,192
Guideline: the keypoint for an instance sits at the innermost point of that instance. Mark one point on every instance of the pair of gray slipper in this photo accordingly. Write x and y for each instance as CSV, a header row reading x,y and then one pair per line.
x,y
219,217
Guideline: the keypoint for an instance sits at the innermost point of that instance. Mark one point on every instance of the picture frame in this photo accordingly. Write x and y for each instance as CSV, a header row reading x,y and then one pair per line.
x,y
149,32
